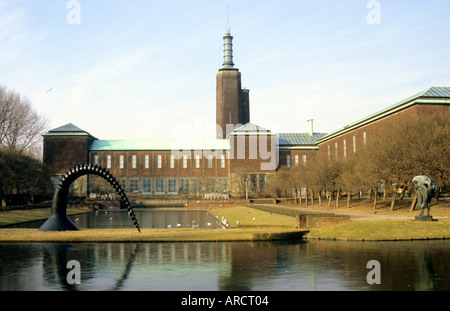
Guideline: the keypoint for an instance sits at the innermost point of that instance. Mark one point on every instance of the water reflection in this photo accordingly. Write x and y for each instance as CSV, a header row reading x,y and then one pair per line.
x,y
148,218
281,266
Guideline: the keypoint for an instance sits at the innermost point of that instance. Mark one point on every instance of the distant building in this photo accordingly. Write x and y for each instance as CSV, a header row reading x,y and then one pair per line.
x,y
241,149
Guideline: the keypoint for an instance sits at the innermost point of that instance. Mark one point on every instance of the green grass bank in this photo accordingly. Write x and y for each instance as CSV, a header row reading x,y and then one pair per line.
x,y
245,223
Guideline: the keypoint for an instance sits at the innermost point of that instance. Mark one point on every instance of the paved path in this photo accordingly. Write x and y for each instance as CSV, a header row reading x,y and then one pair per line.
x,y
358,216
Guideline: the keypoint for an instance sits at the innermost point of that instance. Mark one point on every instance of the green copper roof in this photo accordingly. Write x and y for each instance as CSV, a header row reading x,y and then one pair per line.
x,y
159,144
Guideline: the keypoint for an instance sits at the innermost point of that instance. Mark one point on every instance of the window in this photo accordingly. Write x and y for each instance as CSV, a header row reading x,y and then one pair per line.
x,y
159,161
222,185
197,161
121,161
108,161
296,159
196,185
172,161
328,151
354,143
262,180
159,185
171,185
336,150
96,159
133,161
304,159
345,149
288,160
133,185
222,161
184,161
253,182
146,161
123,182
146,185
210,161
184,185
210,185
364,139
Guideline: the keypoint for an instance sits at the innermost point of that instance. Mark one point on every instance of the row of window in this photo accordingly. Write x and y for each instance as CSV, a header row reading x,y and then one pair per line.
x,y
159,161
344,146
296,160
174,185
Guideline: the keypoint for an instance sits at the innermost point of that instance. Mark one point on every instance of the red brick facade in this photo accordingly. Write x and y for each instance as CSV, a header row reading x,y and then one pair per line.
x,y
349,140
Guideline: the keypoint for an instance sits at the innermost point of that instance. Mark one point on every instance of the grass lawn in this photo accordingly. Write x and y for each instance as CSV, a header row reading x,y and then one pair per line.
x,y
384,229
266,226
253,225
250,217
17,216
149,235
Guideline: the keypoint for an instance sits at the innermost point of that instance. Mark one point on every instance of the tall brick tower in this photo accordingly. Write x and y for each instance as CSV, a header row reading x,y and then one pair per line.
x,y
232,102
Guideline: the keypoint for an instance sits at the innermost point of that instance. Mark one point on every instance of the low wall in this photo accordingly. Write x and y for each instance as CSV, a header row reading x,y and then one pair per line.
x,y
215,204
319,220
158,202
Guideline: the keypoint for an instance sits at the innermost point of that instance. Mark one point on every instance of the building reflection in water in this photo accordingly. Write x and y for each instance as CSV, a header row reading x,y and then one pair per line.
x,y
300,265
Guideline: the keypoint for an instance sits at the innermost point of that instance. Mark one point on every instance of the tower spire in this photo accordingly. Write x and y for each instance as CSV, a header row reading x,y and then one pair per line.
x,y
228,47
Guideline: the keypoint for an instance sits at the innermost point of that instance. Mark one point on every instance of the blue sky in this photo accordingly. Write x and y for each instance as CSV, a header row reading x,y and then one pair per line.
x,y
146,69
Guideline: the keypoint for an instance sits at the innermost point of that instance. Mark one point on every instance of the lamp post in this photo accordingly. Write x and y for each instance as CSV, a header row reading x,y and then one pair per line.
x,y
246,179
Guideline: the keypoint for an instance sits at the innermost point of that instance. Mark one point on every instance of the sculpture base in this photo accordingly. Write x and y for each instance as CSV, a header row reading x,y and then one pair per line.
x,y
58,223
424,218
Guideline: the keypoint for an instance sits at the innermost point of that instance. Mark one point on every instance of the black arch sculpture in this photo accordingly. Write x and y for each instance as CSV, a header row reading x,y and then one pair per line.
x,y
58,220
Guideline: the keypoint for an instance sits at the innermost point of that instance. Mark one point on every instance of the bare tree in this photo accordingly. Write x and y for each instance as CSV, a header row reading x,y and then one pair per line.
x,y
20,125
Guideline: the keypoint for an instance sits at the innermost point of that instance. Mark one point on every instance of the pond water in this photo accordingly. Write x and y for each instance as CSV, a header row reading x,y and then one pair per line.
x,y
147,218
208,266
255,266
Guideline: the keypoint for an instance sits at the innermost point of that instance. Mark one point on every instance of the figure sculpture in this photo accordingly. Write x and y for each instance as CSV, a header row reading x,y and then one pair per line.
x,y
426,189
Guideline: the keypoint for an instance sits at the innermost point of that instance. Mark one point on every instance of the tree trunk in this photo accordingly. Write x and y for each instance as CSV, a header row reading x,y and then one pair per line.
x,y
329,200
337,198
394,195
402,193
320,198
375,199
348,199
413,204
312,197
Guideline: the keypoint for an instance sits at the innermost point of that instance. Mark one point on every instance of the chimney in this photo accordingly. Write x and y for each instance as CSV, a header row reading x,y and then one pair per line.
x,y
310,127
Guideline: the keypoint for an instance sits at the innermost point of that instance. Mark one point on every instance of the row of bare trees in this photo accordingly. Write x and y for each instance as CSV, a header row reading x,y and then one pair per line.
x,y
22,176
417,146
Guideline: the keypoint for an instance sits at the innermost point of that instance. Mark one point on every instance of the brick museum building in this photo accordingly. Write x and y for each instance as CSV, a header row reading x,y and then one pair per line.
x,y
241,149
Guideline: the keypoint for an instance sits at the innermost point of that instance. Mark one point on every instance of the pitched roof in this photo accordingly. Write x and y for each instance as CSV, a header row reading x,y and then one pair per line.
x,y
67,128
250,127
160,144
294,139
436,92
